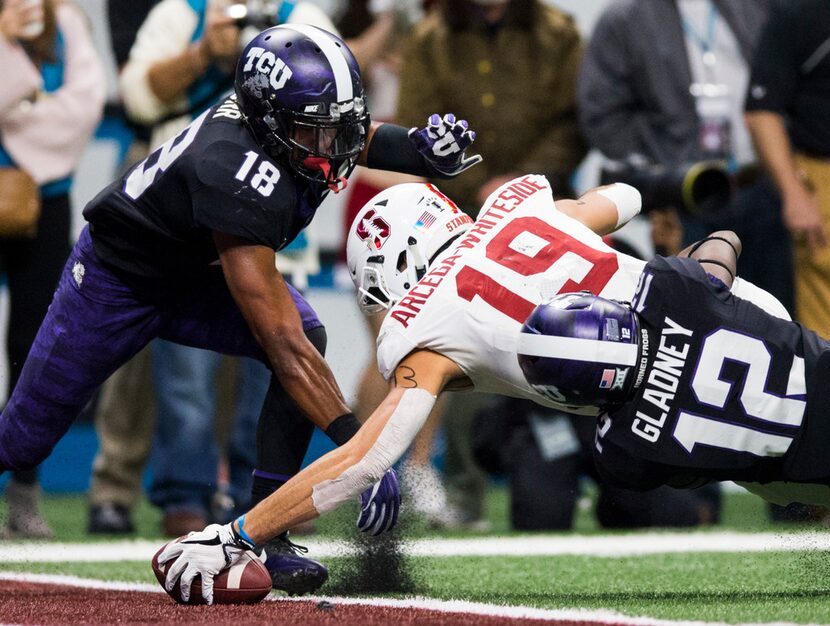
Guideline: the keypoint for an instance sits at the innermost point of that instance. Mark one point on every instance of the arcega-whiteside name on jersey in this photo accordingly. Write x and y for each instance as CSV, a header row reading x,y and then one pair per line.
x,y
472,302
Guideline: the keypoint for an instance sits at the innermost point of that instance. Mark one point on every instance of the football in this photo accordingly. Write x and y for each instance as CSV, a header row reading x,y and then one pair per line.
x,y
245,582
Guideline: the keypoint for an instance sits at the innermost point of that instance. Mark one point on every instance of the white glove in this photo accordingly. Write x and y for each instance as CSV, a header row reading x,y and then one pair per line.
x,y
204,553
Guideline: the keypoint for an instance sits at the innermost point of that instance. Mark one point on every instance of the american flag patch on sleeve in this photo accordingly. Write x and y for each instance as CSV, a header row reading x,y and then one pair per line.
x,y
426,220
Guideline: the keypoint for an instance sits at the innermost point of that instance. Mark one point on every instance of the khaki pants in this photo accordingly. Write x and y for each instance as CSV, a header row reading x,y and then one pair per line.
x,y
812,273
124,423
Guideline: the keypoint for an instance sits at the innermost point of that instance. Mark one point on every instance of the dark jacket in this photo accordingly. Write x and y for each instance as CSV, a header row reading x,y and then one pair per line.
x,y
516,88
633,89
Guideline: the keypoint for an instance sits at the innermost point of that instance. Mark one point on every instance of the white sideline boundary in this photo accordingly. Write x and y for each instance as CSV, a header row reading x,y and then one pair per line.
x,y
633,544
600,616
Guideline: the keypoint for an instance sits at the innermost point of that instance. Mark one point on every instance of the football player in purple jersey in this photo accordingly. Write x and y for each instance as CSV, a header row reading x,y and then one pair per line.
x,y
183,248
695,384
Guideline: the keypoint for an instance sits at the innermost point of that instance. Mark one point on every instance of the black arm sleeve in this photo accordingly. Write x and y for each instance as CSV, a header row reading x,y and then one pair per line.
x,y
391,149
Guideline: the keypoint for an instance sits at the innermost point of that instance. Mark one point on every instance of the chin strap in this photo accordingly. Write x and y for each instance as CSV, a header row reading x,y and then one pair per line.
x,y
321,163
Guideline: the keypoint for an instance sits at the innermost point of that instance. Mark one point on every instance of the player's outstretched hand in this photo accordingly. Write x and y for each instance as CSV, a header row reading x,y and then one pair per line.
x,y
379,505
204,553
443,142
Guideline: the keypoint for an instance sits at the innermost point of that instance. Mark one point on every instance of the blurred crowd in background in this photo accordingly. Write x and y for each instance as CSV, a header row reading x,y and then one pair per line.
x,y
663,93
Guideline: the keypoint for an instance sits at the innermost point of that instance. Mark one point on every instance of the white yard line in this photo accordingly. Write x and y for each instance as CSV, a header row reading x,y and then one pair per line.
x,y
634,544
77,581
445,606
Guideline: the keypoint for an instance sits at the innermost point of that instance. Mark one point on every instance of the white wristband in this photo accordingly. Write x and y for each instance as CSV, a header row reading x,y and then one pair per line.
x,y
626,198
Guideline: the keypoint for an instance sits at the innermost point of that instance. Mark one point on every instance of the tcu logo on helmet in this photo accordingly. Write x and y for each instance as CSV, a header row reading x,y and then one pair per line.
x,y
375,227
267,63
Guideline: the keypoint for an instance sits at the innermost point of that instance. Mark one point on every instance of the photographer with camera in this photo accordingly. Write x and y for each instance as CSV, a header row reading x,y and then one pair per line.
x,y
661,92
183,58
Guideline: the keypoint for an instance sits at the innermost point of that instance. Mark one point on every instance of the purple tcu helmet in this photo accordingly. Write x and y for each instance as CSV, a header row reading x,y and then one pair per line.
x,y
301,94
580,350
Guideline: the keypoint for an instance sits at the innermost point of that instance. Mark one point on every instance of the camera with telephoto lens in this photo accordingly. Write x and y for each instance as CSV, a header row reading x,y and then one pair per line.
x,y
259,14
700,189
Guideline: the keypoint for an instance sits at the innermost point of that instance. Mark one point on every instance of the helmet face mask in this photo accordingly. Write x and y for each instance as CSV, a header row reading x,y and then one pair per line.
x,y
372,294
395,238
300,92
581,350
315,142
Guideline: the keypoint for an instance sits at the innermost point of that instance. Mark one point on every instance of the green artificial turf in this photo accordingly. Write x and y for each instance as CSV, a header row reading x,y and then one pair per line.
x,y
68,517
739,587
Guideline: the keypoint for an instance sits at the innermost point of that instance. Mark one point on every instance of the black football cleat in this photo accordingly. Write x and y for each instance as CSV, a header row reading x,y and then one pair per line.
x,y
290,571
109,518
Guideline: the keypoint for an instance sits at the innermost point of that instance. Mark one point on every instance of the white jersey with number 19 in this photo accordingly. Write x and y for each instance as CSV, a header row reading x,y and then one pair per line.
x,y
472,302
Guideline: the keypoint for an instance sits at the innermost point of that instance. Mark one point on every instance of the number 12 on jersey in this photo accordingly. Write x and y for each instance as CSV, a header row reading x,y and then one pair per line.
x,y
755,401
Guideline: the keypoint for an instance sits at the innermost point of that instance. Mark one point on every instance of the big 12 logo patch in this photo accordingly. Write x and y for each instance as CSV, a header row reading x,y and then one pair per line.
x,y
374,228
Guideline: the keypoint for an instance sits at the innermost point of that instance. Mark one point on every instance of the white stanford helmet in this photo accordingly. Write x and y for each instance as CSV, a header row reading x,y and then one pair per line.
x,y
395,238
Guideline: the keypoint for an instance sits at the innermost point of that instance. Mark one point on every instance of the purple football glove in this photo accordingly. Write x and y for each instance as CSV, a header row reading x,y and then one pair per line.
x,y
443,142
379,505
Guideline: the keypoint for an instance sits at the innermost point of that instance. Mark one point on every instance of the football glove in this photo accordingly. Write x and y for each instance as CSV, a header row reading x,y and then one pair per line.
x,y
204,553
379,505
443,142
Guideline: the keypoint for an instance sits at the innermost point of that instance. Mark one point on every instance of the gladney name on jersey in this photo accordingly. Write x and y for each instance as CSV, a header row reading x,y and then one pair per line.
x,y
729,393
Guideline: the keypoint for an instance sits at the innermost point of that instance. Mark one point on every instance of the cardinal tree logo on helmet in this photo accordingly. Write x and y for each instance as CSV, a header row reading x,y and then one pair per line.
x,y
414,224
372,226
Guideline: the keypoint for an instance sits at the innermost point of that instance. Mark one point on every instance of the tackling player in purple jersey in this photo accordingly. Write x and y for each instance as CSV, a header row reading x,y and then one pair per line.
x,y
694,383
182,248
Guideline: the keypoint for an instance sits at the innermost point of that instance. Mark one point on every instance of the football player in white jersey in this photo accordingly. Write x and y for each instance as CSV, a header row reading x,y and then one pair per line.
x,y
457,293
461,290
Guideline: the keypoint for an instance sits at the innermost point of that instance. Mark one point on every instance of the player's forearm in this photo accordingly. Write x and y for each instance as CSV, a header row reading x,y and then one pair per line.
x,y
388,148
271,313
344,473
604,209
304,374
772,143
292,504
